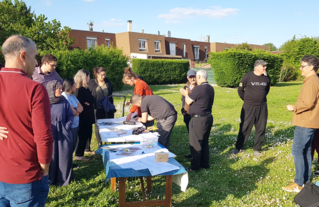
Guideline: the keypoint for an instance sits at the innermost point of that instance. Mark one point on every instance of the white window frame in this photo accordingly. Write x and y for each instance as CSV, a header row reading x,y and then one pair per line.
x,y
196,54
89,42
107,42
226,48
184,50
139,45
157,42
172,49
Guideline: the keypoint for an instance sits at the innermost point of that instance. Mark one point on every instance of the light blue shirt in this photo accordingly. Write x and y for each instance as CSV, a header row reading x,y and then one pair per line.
x,y
73,101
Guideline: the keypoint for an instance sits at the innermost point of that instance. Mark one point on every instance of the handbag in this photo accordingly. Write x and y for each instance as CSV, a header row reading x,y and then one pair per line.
x,y
308,196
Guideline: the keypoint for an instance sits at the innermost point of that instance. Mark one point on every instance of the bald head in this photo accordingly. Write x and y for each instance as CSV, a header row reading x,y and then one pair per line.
x,y
20,52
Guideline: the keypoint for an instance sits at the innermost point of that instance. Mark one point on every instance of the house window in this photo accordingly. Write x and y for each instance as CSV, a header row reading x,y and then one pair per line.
x,y
205,52
196,52
142,44
107,42
226,48
172,48
184,50
157,44
91,42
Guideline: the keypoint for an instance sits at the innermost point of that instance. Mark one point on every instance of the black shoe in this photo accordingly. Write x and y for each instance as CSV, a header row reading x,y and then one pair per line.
x,y
204,167
191,169
188,156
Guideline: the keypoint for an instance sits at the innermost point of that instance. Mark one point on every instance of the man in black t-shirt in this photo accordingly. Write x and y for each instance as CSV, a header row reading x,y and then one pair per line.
x,y
253,90
201,101
156,107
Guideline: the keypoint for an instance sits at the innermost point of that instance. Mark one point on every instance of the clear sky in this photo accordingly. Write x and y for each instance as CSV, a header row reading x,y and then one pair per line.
x,y
231,21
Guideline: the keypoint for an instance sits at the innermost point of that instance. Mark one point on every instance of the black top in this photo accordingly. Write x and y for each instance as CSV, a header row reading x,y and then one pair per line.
x,y
157,107
253,89
97,93
203,97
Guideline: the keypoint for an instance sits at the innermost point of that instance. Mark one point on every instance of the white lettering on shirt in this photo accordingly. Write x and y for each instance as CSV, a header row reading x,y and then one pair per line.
x,y
259,83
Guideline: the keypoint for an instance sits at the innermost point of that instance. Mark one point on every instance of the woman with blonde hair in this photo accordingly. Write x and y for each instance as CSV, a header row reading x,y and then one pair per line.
x,y
83,94
141,88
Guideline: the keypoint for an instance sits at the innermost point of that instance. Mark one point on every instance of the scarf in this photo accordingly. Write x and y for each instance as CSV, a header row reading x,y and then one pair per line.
x,y
51,86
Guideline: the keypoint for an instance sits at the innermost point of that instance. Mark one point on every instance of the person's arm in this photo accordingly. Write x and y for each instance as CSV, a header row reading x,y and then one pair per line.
x,y
3,133
41,125
290,107
268,87
139,90
308,98
188,100
75,113
69,116
79,109
241,88
145,117
129,117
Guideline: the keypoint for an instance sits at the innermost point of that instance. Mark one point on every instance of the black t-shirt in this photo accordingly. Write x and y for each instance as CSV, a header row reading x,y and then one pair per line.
x,y
203,97
253,89
157,107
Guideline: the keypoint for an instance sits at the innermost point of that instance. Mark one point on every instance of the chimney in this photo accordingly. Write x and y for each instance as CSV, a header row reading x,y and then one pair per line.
x,y
208,38
91,25
103,30
142,30
169,34
129,25
159,33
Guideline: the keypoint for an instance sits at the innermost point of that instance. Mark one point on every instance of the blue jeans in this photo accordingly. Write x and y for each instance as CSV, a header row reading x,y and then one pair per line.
x,y
30,194
300,150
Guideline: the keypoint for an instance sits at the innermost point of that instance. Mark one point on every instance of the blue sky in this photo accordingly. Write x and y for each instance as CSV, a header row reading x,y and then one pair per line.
x,y
231,21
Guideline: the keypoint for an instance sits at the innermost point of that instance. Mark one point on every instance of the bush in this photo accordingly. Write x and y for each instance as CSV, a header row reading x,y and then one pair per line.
x,y
161,71
112,59
230,66
289,72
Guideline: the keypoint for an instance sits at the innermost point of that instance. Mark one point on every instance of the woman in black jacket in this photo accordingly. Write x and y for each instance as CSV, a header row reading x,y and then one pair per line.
x,y
83,94
100,87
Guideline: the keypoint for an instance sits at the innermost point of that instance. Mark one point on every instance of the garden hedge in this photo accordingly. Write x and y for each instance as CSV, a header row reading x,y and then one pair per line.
x,y
112,59
161,71
230,66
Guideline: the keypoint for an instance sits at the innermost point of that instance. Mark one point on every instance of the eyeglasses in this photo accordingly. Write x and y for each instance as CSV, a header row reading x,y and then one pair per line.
x,y
303,66
102,75
54,66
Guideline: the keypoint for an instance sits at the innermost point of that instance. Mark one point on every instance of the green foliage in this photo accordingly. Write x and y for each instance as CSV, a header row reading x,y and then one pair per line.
x,y
288,72
272,46
112,59
161,71
229,67
17,19
243,46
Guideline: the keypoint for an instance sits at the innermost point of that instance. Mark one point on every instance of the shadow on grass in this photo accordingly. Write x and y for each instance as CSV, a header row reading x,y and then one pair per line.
x,y
283,84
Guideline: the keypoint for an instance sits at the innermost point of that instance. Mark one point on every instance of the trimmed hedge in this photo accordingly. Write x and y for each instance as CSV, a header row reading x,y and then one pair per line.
x,y
161,71
112,59
230,66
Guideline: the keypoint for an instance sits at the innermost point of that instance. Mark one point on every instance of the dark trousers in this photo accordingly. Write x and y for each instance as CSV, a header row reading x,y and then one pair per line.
x,y
187,119
252,115
315,144
165,127
199,130
82,144
74,132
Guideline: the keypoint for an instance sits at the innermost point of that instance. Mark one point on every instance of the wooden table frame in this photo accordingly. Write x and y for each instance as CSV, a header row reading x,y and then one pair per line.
x,y
167,202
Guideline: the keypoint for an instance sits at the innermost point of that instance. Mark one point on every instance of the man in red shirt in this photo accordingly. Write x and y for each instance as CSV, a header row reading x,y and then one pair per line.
x,y
26,152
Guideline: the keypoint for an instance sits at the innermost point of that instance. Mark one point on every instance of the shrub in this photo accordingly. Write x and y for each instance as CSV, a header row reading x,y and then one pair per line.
x,y
112,59
230,66
161,71
289,72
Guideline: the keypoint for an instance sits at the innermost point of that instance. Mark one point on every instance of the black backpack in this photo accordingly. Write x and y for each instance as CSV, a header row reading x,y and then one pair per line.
x,y
308,196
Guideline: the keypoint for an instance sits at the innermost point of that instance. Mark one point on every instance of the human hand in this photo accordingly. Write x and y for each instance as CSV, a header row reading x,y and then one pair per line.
x,y
138,119
3,133
86,103
128,103
290,107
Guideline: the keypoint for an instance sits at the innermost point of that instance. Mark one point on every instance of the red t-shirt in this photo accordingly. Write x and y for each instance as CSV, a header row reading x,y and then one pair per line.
x,y
25,111
141,88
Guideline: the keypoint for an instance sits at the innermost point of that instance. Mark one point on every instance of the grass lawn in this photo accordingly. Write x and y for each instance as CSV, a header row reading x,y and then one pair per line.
x,y
240,181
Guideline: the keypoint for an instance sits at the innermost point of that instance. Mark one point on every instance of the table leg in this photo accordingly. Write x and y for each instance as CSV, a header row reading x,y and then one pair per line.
x,y
168,193
149,183
143,189
113,184
122,192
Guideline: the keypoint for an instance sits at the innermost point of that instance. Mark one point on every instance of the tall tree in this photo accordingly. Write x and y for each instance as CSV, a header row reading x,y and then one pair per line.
x,y
17,18
272,46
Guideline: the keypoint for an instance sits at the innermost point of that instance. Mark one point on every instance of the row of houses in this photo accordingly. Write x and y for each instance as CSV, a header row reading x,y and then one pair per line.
x,y
151,46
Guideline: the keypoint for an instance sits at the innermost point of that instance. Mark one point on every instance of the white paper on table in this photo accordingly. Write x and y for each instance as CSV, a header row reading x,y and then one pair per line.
x,y
181,180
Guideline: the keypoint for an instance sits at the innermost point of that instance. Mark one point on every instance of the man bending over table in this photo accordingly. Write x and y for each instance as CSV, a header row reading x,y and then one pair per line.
x,y
156,107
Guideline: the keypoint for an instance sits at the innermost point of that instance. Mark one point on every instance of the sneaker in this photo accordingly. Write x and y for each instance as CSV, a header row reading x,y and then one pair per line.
x,y
235,152
188,156
293,187
257,153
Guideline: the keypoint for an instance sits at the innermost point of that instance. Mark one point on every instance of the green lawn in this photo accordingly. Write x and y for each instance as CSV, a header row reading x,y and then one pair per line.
x,y
240,181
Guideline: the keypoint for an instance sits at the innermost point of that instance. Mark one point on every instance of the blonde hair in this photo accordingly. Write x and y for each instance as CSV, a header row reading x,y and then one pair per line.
x,y
80,78
128,74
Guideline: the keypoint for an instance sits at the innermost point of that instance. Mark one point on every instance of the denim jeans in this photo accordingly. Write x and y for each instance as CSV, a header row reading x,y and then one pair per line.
x,y
300,150
20,195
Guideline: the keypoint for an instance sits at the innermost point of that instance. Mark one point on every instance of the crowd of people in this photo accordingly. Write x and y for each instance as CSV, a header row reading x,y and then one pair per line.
x,y
44,119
